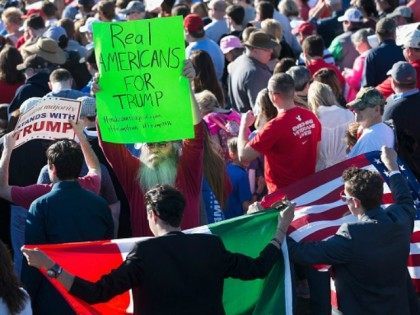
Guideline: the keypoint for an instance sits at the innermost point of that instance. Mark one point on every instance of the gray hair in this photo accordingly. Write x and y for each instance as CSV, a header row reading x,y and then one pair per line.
x,y
361,36
300,75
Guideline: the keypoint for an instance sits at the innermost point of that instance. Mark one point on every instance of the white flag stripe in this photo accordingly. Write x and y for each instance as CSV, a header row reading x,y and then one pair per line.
x,y
414,272
415,249
319,192
201,229
323,190
313,227
304,211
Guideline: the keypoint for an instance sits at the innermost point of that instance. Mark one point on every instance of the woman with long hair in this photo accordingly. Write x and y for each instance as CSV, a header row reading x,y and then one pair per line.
x,y
216,185
264,109
334,121
329,77
13,299
205,78
10,77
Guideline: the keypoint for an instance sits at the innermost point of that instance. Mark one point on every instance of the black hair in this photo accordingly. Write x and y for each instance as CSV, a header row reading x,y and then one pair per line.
x,y
67,157
10,291
49,9
313,46
236,13
36,22
167,203
365,185
266,10
180,9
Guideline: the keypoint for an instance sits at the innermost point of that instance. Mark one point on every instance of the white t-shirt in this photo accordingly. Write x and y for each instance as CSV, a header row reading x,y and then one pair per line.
x,y
372,139
334,121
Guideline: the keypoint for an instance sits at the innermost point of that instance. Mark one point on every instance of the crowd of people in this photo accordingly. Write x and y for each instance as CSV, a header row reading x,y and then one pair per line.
x,y
280,90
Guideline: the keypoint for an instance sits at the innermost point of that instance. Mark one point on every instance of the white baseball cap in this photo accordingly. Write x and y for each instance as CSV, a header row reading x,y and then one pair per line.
x,y
351,15
88,27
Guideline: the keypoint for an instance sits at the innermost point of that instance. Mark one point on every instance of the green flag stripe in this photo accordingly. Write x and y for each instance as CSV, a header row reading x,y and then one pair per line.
x,y
249,234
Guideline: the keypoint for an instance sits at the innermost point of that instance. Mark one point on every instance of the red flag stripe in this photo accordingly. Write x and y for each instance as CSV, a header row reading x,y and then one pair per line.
x,y
414,260
315,180
330,214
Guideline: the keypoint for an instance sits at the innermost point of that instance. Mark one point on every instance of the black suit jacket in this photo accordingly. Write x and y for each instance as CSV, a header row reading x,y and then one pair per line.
x,y
178,274
369,257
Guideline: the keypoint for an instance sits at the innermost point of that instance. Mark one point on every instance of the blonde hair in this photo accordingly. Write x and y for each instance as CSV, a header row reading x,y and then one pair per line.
x,y
320,94
12,15
272,28
288,8
206,101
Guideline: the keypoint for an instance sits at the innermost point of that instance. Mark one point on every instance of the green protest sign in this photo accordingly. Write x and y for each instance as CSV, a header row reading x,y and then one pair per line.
x,y
143,96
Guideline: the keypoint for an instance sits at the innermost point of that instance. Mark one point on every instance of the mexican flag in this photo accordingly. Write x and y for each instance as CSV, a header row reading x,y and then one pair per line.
x,y
247,234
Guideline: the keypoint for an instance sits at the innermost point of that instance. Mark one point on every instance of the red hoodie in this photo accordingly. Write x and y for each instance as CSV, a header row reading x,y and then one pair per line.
x,y
316,64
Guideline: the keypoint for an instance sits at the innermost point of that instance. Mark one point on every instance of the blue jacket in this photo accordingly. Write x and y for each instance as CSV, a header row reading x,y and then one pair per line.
x,y
369,257
379,61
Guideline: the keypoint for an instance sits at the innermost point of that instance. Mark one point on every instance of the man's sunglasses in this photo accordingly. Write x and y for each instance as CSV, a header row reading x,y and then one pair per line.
x,y
344,198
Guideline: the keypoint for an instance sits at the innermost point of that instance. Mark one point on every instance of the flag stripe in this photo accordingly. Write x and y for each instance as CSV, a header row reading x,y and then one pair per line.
x,y
320,212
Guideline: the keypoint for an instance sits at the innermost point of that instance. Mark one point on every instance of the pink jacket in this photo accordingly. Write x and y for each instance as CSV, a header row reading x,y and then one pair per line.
x,y
354,77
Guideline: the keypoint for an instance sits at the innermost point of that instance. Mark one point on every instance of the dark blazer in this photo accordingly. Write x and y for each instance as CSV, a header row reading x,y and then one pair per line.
x,y
404,112
369,257
178,274
35,86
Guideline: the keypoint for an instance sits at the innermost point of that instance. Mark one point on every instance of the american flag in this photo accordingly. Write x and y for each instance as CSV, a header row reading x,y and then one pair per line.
x,y
320,212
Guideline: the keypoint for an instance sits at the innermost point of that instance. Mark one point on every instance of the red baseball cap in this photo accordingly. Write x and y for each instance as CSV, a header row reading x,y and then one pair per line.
x,y
193,23
33,12
306,28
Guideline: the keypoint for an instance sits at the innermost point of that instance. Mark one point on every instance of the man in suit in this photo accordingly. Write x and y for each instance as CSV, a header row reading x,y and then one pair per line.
x,y
369,257
176,273
403,113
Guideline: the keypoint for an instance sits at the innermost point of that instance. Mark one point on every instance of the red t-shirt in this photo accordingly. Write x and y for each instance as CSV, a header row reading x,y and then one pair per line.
x,y
24,196
289,144
8,91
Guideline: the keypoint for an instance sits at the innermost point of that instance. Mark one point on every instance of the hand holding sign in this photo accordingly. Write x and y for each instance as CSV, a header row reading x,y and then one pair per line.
x,y
143,95
189,70
95,86
48,119
9,141
77,127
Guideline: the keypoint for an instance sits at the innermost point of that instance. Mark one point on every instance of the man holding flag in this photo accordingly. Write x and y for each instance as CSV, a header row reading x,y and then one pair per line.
x,y
369,257
176,273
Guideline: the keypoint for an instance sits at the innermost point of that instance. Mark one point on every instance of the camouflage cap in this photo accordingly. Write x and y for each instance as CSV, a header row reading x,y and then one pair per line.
x,y
367,97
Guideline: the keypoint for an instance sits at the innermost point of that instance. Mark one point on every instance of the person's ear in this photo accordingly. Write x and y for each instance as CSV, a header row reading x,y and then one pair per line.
x,y
356,202
52,168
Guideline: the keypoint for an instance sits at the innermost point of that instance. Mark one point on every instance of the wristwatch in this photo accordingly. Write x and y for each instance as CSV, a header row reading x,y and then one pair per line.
x,y
55,271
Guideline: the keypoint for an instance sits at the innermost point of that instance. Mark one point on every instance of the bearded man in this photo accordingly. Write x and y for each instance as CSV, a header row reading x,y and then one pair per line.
x,y
166,163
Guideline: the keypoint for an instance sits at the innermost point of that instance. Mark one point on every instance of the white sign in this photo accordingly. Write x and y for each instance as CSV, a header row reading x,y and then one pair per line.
x,y
49,119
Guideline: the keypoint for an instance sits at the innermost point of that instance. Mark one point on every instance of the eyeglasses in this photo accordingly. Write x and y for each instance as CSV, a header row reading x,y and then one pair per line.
x,y
344,198
159,145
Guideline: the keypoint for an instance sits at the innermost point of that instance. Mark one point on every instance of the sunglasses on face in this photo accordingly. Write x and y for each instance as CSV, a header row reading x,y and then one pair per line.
x,y
159,145
344,198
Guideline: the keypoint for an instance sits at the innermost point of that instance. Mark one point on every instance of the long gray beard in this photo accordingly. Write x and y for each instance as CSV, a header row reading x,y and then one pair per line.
x,y
162,174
